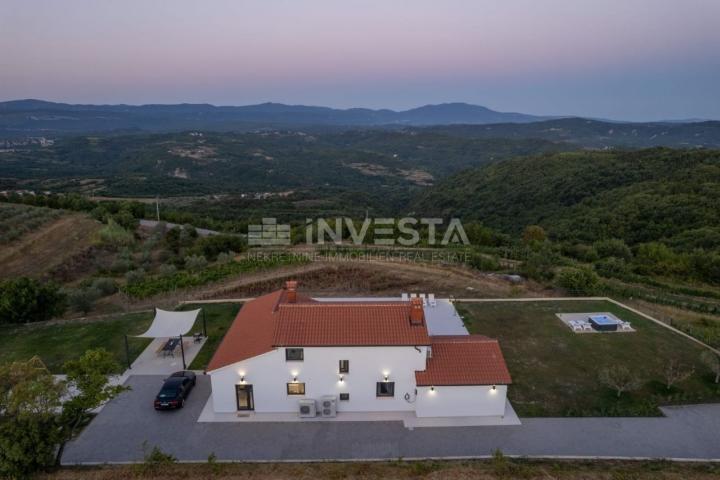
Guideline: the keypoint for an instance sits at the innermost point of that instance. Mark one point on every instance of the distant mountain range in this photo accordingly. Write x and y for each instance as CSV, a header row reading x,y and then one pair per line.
x,y
33,117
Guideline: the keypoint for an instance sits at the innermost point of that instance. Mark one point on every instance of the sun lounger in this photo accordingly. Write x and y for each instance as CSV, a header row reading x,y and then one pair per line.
x,y
424,299
431,300
404,297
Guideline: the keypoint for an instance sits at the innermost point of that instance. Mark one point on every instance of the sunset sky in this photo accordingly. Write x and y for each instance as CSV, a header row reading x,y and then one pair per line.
x,y
622,59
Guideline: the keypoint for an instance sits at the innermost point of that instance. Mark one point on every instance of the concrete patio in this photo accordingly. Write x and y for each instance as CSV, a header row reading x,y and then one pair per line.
x,y
151,362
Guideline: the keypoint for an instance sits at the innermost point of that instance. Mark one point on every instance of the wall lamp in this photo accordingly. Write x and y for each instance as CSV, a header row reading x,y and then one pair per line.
x,y
386,377
432,389
242,379
342,379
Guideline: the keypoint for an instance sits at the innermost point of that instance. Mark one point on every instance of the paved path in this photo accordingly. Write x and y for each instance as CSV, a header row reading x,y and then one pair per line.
x,y
117,435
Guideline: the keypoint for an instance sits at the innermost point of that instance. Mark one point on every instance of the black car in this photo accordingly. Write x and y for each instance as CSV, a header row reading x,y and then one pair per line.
x,y
175,390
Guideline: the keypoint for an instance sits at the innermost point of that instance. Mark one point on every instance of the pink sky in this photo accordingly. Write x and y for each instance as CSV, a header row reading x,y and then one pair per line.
x,y
634,59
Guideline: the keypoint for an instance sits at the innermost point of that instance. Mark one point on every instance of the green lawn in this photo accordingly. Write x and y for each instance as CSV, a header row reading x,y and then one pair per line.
x,y
555,371
219,316
55,344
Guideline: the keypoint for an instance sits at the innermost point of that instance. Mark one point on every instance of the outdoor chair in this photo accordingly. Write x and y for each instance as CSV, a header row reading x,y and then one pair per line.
x,y
431,299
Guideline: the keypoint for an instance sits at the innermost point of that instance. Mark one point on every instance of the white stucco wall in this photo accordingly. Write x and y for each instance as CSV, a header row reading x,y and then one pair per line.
x,y
269,373
461,401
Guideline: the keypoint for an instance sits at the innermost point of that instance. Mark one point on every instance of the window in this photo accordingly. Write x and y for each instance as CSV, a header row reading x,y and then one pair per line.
x,y
296,389
294,354
344,366
344,396
385,389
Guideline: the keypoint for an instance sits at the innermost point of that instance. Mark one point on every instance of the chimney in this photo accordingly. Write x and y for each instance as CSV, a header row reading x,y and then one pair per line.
x,y
291,287
417,316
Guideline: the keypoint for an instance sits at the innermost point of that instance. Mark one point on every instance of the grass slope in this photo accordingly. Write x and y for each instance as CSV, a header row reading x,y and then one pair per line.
x,y
555,371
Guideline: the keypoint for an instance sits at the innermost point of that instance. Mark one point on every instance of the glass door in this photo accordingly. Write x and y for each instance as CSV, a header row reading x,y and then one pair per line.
x,y
244,395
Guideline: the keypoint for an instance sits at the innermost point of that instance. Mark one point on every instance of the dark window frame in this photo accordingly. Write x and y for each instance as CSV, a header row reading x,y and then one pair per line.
x,y
294,350
344,366
391,389
251,397
344,397
287,386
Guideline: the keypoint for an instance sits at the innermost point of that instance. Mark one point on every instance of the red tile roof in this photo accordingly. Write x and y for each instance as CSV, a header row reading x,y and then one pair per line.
x,y
347,324
270,321
251,332
464,360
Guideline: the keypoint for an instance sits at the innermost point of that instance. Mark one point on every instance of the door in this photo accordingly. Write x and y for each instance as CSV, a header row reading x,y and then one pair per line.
x,y
244,395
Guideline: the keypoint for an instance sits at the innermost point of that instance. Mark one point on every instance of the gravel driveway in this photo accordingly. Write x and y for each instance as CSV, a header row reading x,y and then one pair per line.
x,y
119,431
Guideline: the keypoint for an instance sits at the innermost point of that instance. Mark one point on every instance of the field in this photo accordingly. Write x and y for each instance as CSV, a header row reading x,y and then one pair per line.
x,y
555,371
40,239
498,468
56,343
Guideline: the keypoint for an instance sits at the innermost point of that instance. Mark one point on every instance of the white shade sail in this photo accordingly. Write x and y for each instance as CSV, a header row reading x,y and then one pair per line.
x,y
170,324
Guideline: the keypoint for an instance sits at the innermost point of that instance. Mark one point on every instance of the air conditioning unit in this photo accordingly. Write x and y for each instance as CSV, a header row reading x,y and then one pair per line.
x,y
307,408
328,406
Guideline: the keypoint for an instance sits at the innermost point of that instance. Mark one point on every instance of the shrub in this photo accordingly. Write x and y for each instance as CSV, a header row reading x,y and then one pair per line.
x,y
611,267
167,270
483,262
226,257
612,247
115,236
106,286
195,263
135,276
83,299
534,234
121,265
579,280
211,246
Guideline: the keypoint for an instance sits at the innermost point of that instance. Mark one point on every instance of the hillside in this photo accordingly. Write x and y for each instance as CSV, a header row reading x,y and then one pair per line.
x,y
35,117
654,194
598,134
36,251
192,163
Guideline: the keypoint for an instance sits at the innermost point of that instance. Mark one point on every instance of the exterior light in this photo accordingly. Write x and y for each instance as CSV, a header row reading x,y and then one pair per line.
x,y
242,379
342,379
494,387
432,389
385,377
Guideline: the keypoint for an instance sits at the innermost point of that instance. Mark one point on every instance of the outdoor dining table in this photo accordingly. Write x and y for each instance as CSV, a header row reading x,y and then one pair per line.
x,y
170,346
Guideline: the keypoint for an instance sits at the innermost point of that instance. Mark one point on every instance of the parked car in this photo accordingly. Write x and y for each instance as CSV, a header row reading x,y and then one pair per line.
x,y
175,390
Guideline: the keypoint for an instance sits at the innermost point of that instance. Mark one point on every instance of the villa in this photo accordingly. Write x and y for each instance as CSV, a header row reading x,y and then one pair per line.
x,y
289,353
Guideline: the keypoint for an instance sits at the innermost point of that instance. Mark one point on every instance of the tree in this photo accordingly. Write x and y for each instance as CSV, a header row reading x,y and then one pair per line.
x,y
620,379
712,360
195,262
83,299
581,280
87,377
25,300
534,233
612,247
30,398
676,372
